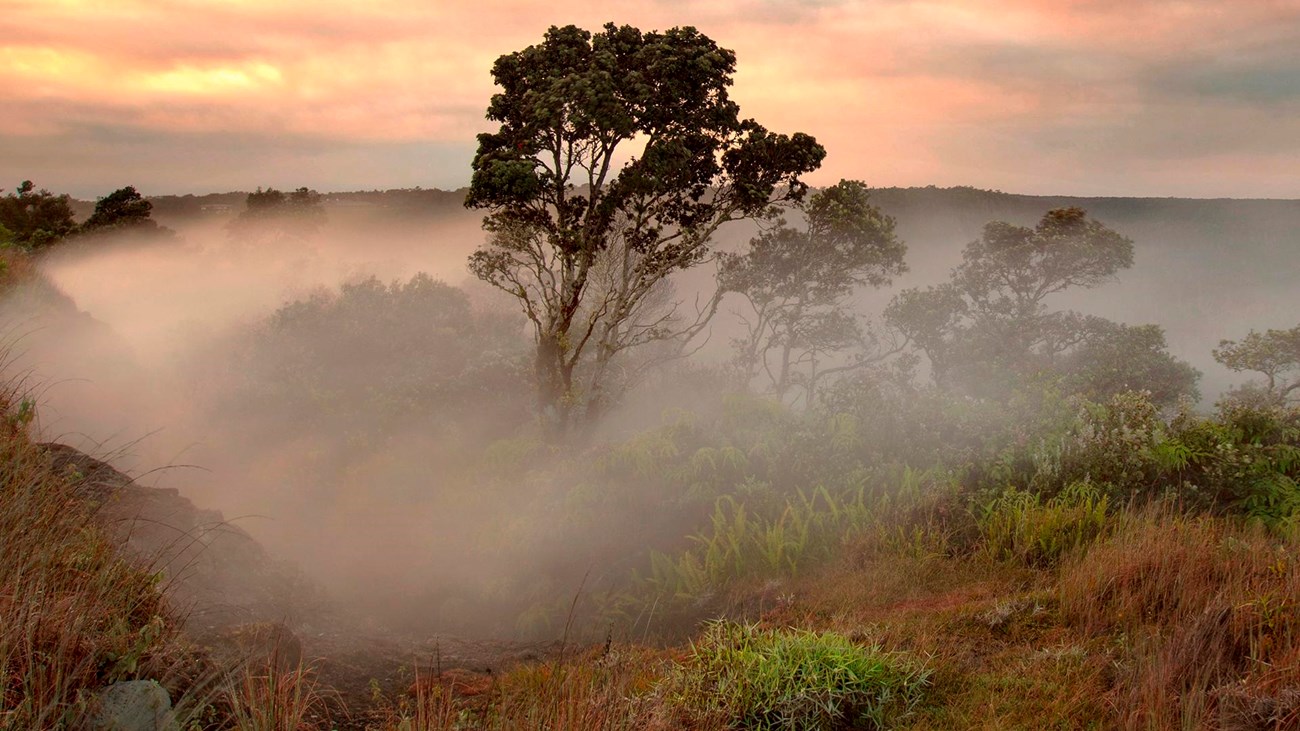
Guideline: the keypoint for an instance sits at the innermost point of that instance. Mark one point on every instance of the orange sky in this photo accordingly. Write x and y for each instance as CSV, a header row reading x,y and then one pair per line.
x,y
1134,97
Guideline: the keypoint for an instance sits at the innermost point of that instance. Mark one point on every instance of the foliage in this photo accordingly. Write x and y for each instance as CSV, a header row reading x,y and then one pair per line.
x,y
122,207
1245,459
1022,526
375,353
75,614
271,216
36,218
1273,353
1113,358
797,282
560,208
990,326
795,680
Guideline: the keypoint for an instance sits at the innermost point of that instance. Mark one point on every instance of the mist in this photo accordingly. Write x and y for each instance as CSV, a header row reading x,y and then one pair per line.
x,y
149,353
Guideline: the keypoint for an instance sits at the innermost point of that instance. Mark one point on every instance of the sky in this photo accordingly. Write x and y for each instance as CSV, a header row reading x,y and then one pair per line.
x,y
1194,98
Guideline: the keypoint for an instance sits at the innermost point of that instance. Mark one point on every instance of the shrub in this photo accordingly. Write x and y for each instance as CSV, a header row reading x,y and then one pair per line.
x,y
758,679
1021,526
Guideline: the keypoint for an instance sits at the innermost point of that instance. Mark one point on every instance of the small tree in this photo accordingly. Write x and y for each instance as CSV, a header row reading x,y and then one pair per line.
x,y
123,210
990,327
619,150
36,218
1274,353
798,283
272,215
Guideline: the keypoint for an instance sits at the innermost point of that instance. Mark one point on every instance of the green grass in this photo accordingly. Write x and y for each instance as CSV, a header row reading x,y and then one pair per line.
x,y
793,680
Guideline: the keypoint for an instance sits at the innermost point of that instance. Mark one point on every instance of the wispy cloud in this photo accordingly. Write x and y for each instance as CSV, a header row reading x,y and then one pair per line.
x,y
1087,96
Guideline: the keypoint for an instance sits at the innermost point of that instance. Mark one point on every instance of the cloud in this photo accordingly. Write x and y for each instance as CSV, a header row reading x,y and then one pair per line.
x,y
1018,94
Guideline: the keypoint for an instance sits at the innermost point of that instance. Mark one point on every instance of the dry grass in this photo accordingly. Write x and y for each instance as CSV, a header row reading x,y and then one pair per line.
x,y
267,697
617,688
74,614
1206,614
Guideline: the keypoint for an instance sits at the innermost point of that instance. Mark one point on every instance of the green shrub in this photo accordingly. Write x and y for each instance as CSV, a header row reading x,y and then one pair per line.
x,y
1021,526
765,680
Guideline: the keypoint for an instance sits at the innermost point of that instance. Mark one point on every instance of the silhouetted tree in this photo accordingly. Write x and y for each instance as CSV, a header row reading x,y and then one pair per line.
x,y
558,200
124,210
798,283
272,215
36,218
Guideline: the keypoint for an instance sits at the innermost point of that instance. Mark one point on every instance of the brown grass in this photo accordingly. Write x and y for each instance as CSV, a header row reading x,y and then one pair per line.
x,y
617,688
265,696
74,614
1206,613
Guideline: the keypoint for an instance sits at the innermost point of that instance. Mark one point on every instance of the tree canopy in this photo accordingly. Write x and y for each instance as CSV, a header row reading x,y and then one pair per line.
x,y
625,147
798,281
1275,354
272,215
36,218
125,209
990,326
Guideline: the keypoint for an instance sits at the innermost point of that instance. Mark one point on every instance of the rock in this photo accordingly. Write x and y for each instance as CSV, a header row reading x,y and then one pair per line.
x,y
134,705
216,574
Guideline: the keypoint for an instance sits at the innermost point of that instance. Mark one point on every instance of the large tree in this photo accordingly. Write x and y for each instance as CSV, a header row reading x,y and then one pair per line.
x,y
1275,354
620,153
990,326
36,218
798,282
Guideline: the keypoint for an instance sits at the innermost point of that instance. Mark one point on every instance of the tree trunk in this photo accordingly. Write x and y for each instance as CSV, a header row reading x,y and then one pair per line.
x,y
554,386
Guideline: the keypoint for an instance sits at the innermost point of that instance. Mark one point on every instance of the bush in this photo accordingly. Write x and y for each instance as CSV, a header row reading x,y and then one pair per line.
x,y
758,679
1021,526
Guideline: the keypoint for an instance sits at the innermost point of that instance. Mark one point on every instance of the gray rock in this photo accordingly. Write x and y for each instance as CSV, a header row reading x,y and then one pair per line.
x,y
134,705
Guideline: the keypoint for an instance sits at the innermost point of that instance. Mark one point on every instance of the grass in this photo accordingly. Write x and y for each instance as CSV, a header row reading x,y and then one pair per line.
x,y
1021,526
1207,607
268,697
756,679
615,688
75,615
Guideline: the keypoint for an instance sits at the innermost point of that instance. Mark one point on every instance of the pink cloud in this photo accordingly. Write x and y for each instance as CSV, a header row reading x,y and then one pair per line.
x,y
886,85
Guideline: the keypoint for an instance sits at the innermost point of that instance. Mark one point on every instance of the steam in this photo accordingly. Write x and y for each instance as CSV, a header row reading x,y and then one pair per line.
x,y
136,347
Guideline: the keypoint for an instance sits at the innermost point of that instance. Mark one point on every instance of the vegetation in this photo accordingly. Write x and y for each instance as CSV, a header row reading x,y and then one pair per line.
x,y
1275,354
798,285
995,514
273,216
35,218
757,680
124,210
587,246
991,324
74,614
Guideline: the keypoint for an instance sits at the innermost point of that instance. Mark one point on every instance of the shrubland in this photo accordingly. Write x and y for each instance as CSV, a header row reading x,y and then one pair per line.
x,y
1018,541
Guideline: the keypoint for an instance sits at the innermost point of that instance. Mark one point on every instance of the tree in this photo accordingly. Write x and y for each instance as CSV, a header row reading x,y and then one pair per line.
x,y
36,218
989,327
272,215
1112,358
1274,353
797,283
123,210
625,148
